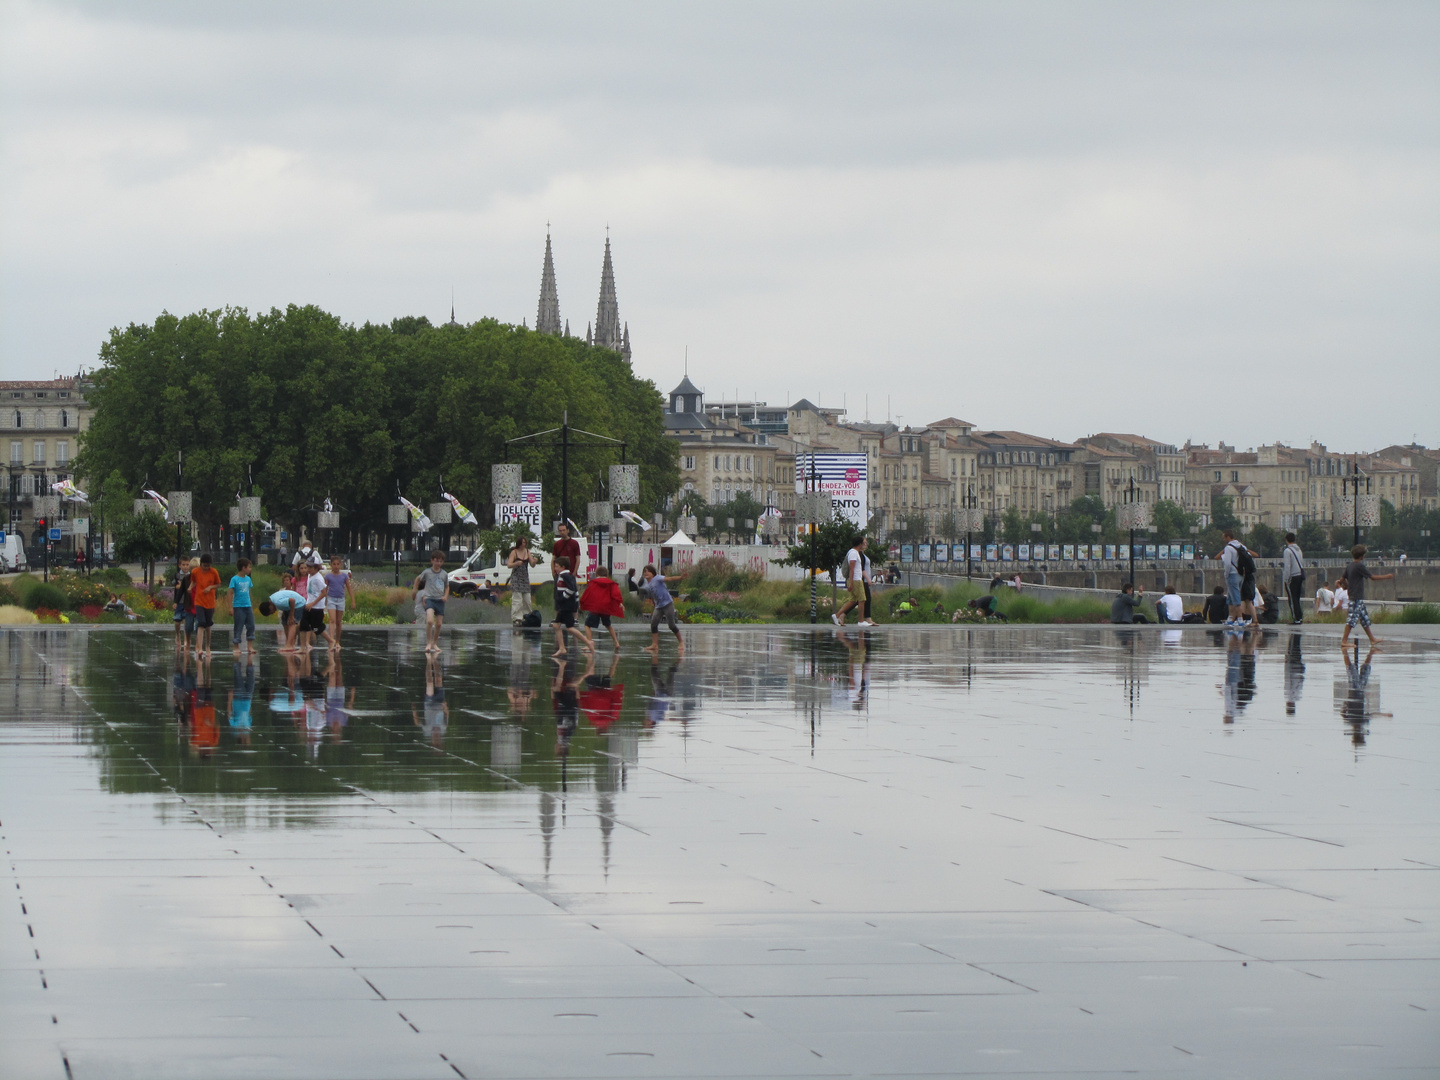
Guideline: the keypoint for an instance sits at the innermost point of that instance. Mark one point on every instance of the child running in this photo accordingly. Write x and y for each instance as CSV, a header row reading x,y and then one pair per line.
x,y
602,602
652,587
240,607
314,620
436,585
1355,576
567,603
338,588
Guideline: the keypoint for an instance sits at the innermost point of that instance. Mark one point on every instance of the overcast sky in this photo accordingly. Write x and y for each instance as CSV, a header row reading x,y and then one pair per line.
x,y
1207,221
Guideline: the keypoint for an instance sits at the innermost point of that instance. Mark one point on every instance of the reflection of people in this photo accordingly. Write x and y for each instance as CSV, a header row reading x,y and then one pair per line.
x,y
1239,687
661,690
859,682
337,706
204,730
1294,674
520,693
434,716
602,697
242,693
1353,707
565,701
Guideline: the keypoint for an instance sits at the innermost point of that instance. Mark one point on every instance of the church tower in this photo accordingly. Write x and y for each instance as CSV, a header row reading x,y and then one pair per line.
x,y
547,319
609,333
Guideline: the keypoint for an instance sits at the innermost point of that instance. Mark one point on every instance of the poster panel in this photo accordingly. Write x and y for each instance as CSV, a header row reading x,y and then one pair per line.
x,y
1110,552
1007,552
992,552
844,477
924,552
1054,551
1068,551
907,552
942,552
1024,552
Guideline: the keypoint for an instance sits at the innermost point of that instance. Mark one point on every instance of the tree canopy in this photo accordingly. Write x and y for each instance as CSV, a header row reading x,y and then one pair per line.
x,y
312,407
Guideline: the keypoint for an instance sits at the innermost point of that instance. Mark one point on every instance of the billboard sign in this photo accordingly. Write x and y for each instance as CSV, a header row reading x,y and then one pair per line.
x,y
509,515
924,552
843,477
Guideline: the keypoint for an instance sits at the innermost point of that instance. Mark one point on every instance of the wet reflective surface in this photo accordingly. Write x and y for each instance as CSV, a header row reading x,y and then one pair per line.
x,y
940,851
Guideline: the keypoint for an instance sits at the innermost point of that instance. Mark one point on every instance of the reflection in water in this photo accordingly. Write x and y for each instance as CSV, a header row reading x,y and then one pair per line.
x,y
1358,698
320,725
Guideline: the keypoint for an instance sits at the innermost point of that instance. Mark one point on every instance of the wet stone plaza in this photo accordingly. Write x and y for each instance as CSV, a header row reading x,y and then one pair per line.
x,y
931,851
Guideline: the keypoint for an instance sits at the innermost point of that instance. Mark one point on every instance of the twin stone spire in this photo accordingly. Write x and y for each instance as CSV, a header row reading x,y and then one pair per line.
x,y
607,332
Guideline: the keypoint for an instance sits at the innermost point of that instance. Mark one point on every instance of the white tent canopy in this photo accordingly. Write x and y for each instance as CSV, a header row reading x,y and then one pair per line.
x,y
679,540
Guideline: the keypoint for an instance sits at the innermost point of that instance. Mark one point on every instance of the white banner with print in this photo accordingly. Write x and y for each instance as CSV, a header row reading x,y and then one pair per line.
x,y
844,477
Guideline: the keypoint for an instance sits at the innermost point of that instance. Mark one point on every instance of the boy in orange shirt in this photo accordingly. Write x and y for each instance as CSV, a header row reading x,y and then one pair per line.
x,y
204,581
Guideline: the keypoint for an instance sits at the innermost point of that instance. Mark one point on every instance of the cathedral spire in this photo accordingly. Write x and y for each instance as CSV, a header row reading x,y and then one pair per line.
x,y
607,315
547,320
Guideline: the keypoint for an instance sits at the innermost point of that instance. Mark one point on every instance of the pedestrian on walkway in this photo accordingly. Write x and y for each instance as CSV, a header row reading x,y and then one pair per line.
x,y
854,580
520,560
601,602
567,603
240,607
204,582
435,584
1355,576
653,587
1293,573
1239,563
338,588
566,547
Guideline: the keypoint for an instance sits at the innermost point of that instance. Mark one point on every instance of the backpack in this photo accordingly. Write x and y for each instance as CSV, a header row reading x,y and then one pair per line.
x,y
531,618
1244,561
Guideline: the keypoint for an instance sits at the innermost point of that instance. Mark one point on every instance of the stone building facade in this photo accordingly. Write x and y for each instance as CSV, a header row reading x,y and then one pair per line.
x,y
42,421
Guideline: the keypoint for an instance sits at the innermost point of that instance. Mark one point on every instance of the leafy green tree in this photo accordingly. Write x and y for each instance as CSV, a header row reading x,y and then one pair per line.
x,y
1172,522
143,538
1312,538
1265,540
832,540
1222,514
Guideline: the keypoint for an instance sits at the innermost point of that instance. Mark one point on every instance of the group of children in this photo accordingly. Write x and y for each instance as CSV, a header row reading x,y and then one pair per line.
x,y
304,600
601,601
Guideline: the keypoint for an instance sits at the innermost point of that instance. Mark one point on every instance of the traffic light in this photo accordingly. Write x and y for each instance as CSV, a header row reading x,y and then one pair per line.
x,y
40,523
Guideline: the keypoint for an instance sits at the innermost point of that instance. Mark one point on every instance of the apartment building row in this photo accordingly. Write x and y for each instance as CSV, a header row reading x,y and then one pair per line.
x,y
932,470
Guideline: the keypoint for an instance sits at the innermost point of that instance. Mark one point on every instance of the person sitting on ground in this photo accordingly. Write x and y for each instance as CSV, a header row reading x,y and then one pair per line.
x,y
1170,608
906,605
988,605
1123,608
1216,609
1267,607
116,606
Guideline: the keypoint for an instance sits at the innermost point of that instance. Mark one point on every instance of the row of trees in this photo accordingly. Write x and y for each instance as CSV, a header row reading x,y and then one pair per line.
x,y
311,407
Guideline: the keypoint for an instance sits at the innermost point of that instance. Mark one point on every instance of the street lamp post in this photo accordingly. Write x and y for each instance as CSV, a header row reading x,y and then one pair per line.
x,y
566,441
1130,514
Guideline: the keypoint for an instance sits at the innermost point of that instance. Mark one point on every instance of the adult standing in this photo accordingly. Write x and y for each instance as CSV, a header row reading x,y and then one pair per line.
x,y
1293,572
566,547
1239,563
1324,600
307,554
519,561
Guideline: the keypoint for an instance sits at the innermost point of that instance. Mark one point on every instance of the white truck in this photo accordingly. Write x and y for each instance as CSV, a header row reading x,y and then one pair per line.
x,y
12,553
472,576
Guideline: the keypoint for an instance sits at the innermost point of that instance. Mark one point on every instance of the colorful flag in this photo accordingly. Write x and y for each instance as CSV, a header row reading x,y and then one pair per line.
x,y
164,502
463,514
67,489
417,515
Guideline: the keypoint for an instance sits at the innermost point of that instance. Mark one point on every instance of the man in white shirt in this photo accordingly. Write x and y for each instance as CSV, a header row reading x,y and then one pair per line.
x,y
1324,600
854,581
1170,606
1342,596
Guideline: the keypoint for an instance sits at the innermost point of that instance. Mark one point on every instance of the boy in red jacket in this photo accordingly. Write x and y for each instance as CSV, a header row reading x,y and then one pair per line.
x,y
601,602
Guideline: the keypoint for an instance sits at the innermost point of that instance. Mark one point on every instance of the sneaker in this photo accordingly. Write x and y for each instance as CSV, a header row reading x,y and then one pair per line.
x,y
865,622
836,620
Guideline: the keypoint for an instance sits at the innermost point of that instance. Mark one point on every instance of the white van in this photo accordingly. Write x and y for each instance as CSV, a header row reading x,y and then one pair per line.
x,y
472,576
12,553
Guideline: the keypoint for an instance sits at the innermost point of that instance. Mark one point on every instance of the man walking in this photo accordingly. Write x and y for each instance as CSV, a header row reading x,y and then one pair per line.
x,y
854,581
1293,572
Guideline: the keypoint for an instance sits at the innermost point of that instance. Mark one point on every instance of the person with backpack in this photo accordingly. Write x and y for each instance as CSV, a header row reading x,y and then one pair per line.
x,y
1239,563
1293,573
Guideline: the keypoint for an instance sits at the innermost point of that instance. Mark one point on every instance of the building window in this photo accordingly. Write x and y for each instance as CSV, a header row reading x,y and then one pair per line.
x,y
62,451
17,452
64,418
18,421
717,462
39,457
39,393
1234,476
688,463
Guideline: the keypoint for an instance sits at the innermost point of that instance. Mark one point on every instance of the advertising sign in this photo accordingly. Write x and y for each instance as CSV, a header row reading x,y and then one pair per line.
x,y
957,553
1007,552
1124,551
907,552
942,552
1110,551
1054,551
924,552
992,552
843,477
508,515
1024,552
1149,551
1068,551
1082,551
1189,551
974,551
1164,551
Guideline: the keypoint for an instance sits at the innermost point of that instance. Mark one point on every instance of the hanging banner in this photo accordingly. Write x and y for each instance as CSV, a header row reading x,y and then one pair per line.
x,y
510,515
460,510
843,477
418,521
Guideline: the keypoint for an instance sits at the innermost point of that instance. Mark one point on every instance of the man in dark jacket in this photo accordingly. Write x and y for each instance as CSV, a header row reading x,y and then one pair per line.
x,y
1123,607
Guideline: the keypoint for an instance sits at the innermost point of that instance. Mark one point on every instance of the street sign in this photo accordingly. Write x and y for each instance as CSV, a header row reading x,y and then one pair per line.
x,y
54,534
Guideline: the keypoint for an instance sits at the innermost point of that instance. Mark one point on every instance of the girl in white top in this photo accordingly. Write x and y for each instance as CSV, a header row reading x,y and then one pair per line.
x,y
1324,600
1342,596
